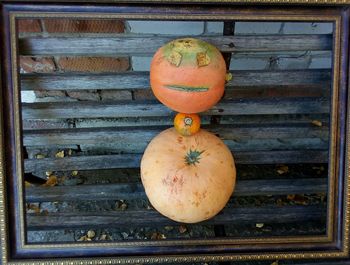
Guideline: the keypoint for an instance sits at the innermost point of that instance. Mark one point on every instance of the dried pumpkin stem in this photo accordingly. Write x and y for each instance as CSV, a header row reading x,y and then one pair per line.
x,y
193,157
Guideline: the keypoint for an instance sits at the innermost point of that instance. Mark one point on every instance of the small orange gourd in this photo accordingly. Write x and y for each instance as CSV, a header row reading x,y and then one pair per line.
x,y
187,124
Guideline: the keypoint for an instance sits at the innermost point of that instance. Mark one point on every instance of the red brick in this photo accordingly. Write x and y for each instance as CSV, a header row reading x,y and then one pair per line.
x,y
29,25
83,26
93,64
116,95
37,64
84,95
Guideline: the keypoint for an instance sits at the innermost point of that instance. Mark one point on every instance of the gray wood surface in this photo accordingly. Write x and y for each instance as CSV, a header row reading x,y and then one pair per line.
x,y
133,160
66,110
140,80
128,44
271,214
139,134
130,191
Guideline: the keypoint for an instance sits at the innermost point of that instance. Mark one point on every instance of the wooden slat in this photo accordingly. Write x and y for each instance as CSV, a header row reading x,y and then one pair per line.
x,y
272,214
136,191
140,80
66,110
134,134
110,46
237,145
133,160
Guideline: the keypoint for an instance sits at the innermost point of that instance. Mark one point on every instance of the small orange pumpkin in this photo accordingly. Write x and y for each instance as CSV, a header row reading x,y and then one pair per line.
x,y
188,75
187,124
188,179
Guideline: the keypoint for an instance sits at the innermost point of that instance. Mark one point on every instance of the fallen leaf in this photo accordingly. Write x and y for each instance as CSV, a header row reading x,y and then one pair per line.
x,y
259,225
84,238
103,237
282,169
301,200
317,123
121,205
228,77
321,168
28,184
48,173
279,202
70,152
74,172
124,206
44,212
91,234
182,229
39,156
33,208
290,197
157,236
275,262
60,154
51,181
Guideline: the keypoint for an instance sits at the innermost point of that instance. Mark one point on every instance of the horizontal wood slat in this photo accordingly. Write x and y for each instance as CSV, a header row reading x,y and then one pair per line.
x,y
229,216
109,46
133,160
140,80
130,191
133,135
66,110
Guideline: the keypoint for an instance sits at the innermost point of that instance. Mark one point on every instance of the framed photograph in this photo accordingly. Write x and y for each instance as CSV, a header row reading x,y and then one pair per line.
x,y
77,113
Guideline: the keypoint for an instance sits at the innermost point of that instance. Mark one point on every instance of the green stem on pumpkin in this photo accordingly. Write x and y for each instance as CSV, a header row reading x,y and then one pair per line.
x,y
193,157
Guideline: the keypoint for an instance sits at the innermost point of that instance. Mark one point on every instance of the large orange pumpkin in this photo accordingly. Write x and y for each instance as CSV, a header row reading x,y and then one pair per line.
x,y
188,75
188,179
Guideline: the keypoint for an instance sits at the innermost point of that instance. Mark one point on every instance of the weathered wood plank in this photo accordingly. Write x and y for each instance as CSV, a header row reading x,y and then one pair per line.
x,y
272,214
133,135
110,46
140,80
66,110
135,190
133,160
237,145
237,120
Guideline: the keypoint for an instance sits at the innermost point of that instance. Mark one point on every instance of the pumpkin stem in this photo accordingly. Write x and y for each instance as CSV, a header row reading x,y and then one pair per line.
x,y
193,156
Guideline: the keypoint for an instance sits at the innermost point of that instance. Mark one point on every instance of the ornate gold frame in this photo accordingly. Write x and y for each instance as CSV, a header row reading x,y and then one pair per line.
x,y
342,251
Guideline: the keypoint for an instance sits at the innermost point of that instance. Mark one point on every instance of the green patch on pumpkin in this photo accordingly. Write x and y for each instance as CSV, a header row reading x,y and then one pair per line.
x,y
188,88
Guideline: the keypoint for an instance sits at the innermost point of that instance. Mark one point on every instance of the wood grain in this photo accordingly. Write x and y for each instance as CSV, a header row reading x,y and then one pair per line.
x,y
140,45
133,135
232,216
140,80
133,160
67,110
131,191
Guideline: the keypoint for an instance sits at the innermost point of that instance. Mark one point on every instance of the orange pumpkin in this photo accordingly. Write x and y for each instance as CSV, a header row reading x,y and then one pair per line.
x,y
187,124
188,179
188,75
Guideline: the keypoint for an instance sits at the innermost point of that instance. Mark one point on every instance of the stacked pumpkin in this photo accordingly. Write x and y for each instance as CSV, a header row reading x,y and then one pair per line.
x,y
188,173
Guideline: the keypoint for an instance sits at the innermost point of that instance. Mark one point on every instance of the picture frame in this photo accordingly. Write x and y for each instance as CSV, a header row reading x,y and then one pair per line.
x,y
333,245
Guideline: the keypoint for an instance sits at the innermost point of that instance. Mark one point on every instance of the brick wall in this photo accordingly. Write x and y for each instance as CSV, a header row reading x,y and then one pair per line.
x,y
55,27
